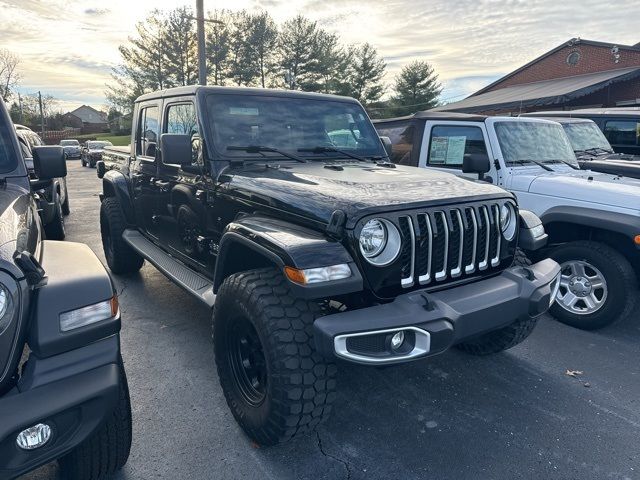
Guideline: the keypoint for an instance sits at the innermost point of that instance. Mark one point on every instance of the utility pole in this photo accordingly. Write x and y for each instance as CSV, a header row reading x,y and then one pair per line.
x,y
41,113
202,61
21,111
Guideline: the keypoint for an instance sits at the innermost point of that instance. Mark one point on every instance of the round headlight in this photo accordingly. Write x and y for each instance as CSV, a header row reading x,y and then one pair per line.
x,y
508,221
380,242
373,238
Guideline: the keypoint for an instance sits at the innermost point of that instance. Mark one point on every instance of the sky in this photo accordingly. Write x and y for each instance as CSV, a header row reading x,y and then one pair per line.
x,y
68,47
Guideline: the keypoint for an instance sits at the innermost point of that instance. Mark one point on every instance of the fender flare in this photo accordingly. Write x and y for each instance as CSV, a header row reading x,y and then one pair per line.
x,y
115,184
623,223
286,244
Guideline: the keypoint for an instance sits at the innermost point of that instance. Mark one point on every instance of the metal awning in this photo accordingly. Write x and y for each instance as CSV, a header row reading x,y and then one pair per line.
x,y
547,92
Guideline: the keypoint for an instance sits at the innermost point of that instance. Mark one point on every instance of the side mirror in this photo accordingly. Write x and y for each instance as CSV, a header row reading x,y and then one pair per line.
x,y
48,162
176,149
388,146
476,163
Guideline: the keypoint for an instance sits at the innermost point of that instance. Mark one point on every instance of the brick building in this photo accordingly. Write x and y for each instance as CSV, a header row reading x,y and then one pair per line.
x,y
87,118
577,74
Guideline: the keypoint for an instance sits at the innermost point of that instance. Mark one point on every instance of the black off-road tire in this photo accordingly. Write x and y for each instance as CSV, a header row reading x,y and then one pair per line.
x,y
107,450
66,210
55,230
121,258
507,337
620,278
300,384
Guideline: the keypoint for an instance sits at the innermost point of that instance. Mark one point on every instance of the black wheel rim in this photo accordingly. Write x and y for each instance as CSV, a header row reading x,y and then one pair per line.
x,y
247,360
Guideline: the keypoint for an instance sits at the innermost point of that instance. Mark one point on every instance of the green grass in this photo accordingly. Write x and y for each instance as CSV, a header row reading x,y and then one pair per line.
x,y
118,140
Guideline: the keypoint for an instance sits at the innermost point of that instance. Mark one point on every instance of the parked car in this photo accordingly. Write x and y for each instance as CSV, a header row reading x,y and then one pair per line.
x,y
621,126
52,195
63,388
92,152
593,150
309,252
71,148
592,219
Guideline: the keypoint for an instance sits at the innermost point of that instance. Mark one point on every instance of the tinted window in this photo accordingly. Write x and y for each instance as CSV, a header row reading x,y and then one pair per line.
x,y
182,120
401,136
543,142
69,143
622,132
290,124
449,144
7,153
148,132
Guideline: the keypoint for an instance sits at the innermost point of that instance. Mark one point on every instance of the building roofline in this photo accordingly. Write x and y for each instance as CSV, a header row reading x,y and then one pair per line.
x,y
569,43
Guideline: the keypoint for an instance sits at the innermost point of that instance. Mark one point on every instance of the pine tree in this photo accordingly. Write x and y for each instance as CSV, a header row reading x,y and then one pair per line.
x,y
416,88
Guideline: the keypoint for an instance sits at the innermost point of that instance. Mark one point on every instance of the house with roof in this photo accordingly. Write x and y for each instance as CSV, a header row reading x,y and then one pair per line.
x,y
577,74
88,118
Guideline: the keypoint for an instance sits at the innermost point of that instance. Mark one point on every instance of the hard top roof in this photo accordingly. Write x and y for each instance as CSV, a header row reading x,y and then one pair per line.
x,y
589,112
431,115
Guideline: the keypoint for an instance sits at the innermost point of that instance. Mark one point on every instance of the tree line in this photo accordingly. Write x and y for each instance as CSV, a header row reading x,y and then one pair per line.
x,y
246,48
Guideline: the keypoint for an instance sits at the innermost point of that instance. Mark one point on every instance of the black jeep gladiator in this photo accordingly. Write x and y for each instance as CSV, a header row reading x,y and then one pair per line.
x,y
281,212
63,389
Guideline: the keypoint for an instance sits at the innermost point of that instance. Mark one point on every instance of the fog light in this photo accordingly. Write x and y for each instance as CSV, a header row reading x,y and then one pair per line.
x,y
397,340
34,437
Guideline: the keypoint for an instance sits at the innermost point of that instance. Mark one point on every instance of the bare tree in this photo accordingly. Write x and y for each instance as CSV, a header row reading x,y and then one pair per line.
x,y
9,75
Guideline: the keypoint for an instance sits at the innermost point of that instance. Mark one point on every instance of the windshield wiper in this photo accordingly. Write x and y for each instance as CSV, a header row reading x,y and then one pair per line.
x,y
262,149
324,149
528,160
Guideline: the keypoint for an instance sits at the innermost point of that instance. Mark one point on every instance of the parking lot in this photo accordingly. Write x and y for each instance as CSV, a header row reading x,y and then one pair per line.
x,y
517,414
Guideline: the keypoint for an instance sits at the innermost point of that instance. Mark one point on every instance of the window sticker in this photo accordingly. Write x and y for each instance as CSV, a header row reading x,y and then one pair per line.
x,y
455,150
438,153
243,111
447,150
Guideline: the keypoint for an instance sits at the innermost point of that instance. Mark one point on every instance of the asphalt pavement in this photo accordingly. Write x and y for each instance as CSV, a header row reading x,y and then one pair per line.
x,y
514,415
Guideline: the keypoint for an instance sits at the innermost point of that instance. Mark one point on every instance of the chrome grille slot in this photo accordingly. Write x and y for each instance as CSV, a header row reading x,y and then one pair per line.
x,y
495,244
424,250
408,251
486,236
443,234
471,241
457,244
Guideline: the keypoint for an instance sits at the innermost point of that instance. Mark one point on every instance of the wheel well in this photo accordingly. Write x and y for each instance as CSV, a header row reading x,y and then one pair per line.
x,y
563,232
241,258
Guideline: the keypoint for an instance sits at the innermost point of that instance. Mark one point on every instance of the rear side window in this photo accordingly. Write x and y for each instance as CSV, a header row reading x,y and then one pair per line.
x,y
148,132
401,136
622,132
449,144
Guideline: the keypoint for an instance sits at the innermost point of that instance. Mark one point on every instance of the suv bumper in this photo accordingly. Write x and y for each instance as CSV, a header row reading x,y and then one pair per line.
x,y
433,322
73,393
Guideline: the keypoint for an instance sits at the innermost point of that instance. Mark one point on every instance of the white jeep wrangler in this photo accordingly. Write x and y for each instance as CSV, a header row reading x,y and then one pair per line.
x,y
593,219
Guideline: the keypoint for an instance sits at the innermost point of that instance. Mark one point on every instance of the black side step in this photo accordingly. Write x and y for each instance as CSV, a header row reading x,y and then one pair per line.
x,y
192,282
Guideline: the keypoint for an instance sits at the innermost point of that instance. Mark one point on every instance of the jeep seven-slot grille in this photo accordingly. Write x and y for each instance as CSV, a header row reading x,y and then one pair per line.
x,y
446,244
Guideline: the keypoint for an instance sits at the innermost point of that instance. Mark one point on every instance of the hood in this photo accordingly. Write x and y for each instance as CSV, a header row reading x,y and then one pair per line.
x,y
587,186
314,191
18,229
95,151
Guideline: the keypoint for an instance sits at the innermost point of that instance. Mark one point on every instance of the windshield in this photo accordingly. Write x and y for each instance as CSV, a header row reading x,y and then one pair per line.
x,y
585,136
7,152
292,125
98,145
69,143
521,142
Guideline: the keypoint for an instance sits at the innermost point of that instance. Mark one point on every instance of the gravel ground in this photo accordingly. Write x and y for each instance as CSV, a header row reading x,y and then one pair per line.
x,y
512,415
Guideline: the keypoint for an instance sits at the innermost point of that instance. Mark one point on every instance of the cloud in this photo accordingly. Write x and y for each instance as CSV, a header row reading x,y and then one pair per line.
x,y
68,46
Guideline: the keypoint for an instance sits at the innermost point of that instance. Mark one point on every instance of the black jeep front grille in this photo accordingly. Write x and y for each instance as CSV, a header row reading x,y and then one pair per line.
x,y
450,243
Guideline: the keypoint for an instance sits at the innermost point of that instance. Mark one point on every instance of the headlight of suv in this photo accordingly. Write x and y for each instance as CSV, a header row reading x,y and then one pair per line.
x,y
508,221
6,307
380,242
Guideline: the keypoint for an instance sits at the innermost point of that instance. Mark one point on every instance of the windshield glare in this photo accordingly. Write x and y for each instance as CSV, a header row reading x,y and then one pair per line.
x,y
290,124
543,142
584,136
69,143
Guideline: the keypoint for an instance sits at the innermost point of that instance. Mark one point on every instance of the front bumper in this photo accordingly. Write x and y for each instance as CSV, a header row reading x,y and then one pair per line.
x,y
436,321
73,393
